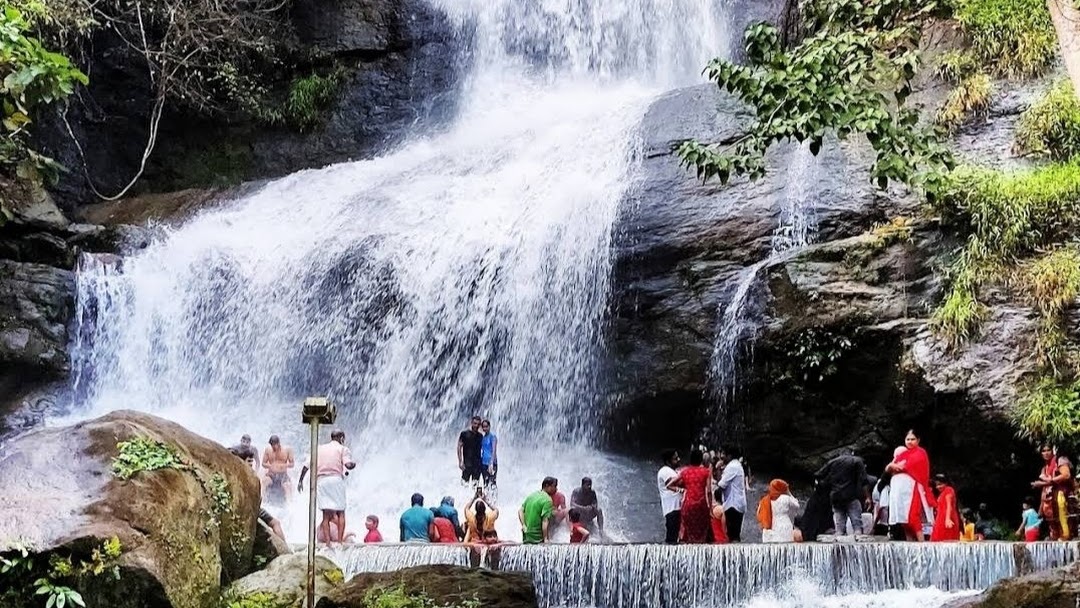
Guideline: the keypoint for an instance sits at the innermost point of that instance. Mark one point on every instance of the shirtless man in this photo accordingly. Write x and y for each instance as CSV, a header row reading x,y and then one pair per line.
x,y
276,462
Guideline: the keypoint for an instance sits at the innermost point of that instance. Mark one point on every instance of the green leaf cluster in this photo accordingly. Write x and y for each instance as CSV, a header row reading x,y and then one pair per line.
x,y
31,77
1049,411
144,454
398,597
850,74
1012,38
969,98
259,599
1051,126
26,581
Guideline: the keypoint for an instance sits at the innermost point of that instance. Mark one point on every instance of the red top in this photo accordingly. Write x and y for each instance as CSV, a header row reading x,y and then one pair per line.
x,y
576,535
719,530
373,536
447,534
946,506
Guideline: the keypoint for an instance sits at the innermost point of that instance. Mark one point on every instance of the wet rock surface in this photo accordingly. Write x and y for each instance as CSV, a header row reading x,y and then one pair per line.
x,y
285,578
172,554
1058,588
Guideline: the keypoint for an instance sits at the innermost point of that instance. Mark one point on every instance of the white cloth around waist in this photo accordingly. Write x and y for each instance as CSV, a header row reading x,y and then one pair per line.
x,y
331,493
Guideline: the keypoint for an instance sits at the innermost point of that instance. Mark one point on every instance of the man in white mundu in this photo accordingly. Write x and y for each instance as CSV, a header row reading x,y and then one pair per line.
x,y
333,461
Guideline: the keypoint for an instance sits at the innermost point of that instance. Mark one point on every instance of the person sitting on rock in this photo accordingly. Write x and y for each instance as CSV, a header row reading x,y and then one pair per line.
x,y
578,532
446,510
417,523
585,501
445,528
480,520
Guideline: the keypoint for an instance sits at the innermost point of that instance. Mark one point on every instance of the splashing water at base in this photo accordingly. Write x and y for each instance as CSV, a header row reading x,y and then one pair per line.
x,y
802,593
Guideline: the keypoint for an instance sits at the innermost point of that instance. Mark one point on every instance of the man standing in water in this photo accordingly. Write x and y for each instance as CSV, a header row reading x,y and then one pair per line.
x,y
277,460
247,451
535,513
733,483
333,461
588,506
670,500
468,452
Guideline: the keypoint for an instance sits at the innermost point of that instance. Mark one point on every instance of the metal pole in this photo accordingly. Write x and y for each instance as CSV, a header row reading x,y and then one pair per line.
x,y
312,488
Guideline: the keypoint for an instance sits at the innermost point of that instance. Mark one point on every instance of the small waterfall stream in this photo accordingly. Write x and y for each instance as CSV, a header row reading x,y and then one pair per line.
x,y
738,321
717,576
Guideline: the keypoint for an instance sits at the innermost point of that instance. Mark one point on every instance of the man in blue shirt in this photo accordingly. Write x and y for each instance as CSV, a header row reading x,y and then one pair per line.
x,y
418,523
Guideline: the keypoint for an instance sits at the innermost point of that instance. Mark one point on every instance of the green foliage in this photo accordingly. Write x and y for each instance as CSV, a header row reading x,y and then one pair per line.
x,y
397,597
31,77
1051,126
816,353
309,97
1015,38
217,488
144,454
850,74
970,97
1006,217
1052,284
26,580
954,66
1049,411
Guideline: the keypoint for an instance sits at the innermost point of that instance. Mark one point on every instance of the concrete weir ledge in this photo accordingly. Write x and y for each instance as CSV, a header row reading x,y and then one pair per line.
x,y
633,576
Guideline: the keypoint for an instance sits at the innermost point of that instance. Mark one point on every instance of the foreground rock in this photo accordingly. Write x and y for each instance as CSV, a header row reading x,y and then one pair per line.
x,y
285,579
444,585
1058,588
183,533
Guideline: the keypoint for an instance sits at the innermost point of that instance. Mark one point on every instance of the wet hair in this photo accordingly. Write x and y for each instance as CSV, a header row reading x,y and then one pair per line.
x,y
481,516
475,419
485,422
447,500
667,455
337,434
373,519
695,457
417,500
718,495
244,438
575,515
549,481
274,439
585,480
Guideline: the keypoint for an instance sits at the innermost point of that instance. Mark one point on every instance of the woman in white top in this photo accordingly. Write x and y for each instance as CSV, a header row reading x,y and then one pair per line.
x,y
776,514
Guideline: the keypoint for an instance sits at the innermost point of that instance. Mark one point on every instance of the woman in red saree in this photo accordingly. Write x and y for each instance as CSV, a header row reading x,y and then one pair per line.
x,y
1058,505
947,516
910,501
697,500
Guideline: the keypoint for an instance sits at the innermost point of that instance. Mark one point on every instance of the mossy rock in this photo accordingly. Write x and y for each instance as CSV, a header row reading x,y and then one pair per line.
x,y
63,495
1058,588
285,578
444,585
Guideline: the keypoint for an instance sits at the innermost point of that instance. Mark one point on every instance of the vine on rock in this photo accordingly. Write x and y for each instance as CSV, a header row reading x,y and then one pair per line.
x,y
850,74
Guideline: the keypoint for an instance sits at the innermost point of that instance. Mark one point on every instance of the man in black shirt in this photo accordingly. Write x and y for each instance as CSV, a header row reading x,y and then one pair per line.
x,y
468,452
845,476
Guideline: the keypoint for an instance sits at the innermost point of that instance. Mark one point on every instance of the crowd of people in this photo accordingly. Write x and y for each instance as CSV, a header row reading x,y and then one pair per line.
x,y
702,501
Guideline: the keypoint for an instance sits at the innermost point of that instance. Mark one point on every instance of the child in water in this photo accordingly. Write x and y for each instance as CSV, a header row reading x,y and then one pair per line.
x,y
1030,522
578,532
373,535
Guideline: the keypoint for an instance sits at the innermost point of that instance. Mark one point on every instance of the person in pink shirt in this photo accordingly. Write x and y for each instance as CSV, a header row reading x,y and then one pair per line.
x,y
333,461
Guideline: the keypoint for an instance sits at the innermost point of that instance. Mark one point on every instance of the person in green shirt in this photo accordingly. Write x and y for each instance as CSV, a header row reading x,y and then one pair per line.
x,y
536,511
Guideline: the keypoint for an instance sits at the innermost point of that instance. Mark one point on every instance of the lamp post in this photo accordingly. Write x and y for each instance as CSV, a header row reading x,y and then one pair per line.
x,y
317,410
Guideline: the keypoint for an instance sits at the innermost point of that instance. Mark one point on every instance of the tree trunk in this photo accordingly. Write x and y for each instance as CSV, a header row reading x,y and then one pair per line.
x,y
1066,18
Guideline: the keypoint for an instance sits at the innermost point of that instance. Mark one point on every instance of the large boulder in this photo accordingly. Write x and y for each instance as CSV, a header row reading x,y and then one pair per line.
x,y
36,303
1057,588
441,584
184,532
285,580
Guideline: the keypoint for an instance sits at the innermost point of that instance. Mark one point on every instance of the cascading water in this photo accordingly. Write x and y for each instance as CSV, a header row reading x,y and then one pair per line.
x,y
738,322
466,273
808,575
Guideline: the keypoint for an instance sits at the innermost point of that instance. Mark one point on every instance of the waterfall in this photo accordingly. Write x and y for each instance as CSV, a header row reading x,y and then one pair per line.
x,y
739,321
656,576
467,272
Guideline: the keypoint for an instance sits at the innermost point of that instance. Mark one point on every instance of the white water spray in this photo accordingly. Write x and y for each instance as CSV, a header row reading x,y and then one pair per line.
x,y
466,273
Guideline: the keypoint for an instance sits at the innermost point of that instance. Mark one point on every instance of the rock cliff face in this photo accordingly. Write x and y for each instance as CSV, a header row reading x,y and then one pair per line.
x,y
401,60
844,353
